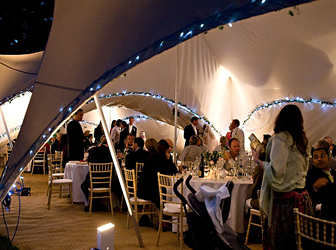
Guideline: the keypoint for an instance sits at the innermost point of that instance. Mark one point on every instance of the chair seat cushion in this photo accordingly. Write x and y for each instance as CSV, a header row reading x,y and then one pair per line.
x,y
171,208
58,174
62,181
139,200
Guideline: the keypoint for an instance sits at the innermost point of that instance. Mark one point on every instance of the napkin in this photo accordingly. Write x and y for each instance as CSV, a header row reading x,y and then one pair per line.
x,y
212,199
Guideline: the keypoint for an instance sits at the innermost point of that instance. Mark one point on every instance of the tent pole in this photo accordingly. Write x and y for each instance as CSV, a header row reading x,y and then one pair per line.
x,y
6,128
118,169
176,95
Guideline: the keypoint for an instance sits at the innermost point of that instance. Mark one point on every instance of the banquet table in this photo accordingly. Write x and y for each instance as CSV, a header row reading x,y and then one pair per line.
x,y
242,190
77,171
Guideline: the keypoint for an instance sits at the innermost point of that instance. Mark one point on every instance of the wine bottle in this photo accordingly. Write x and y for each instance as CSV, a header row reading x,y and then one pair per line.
x,y
201,168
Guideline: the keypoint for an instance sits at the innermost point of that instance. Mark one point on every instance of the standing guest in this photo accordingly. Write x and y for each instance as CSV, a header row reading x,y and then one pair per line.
x,y
98,132
115,133
332,145
190,130
138,155
76,138
192,151
235,155
123,135
207,135
283,186
131,128
63,146
113,124
223,146
238,133
148,187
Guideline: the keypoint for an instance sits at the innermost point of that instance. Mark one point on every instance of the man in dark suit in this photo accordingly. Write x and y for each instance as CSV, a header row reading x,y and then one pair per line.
x,y
131,128
190,130
138,155
320,178
76,138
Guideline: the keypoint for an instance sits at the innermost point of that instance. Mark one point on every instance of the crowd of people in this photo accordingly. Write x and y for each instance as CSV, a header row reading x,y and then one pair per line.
x,y
288,174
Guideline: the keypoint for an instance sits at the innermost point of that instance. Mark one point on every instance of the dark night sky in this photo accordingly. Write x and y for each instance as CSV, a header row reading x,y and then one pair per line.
x,y
24,25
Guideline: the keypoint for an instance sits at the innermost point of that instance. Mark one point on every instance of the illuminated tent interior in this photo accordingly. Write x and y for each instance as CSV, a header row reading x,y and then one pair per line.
x,y
245,71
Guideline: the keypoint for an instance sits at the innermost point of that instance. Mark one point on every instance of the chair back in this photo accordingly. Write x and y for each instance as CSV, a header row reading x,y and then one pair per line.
x,y
100,175
56,158
226,203
166,186
40,155
138,167
316,230
131,183
52,169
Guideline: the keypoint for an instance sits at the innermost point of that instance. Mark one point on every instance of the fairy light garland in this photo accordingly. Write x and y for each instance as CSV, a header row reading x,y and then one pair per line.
x,y
162,98
288,100
17,95
11,130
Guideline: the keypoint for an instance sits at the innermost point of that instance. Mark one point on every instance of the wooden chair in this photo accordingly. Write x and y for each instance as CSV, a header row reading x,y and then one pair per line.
x,y
170,205
100,182
39,160
317,231
59,183
259,213
57,159
131,188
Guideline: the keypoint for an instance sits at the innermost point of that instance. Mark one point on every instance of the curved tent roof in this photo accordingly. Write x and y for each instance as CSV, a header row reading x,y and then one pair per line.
x,y
91,43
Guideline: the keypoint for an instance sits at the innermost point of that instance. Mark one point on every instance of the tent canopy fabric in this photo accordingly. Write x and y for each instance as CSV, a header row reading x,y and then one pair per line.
x,y
91,43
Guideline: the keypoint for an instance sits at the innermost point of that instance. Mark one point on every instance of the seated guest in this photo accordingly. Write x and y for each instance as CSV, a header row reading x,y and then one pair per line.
x,y
191,151
138,155
200,144
171,146
99,154
235,153
332,147
54,146
98,132
129,143
320,144
148,187
320,178
151,145
88,141
223,146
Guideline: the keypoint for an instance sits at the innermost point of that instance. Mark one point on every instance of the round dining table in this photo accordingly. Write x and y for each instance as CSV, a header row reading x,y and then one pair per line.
x,y
77,171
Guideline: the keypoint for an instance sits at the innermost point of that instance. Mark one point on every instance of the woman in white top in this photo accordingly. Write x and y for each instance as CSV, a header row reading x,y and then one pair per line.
x,y
283,186
115,133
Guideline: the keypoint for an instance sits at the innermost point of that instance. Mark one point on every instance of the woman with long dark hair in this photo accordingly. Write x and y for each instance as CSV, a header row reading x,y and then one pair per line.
x,y
285,169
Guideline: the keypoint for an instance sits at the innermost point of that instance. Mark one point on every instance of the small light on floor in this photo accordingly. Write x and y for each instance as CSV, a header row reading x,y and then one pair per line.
x,y
105,237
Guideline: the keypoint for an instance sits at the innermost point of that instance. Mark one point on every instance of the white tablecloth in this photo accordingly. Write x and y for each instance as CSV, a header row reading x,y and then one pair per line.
x,y
77,171
242,190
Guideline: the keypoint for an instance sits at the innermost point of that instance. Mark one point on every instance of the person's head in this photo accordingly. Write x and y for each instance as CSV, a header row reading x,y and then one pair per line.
x,y
118,123
79,115
234,146
328,138
131,121
100,125
138,143
223,141
193,140
151,145
290,119
266,137
230,127
199,141
59,135
171,145
323,144
194,120
114,122
235,123
123,124
321,158
162,147
130,139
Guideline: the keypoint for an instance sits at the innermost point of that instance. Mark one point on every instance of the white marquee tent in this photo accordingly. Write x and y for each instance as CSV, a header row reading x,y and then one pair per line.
x,y
220,75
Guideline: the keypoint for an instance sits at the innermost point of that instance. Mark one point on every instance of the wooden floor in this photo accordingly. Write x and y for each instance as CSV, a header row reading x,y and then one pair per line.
x,y
67,226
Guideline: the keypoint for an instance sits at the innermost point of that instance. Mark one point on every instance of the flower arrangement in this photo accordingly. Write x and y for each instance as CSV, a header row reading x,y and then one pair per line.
x,y
212,158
